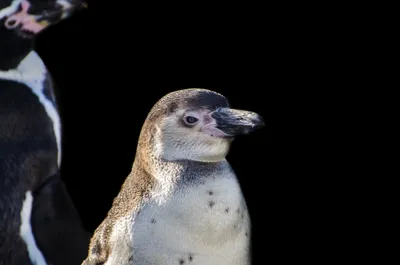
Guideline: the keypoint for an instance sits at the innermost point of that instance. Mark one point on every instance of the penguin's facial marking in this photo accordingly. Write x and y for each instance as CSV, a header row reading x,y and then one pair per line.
x,y
189,134
210,126
29,17
9,8
202,121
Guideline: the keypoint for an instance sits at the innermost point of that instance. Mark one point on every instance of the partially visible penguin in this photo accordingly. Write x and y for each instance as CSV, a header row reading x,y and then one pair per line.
x,y
39,223
181,203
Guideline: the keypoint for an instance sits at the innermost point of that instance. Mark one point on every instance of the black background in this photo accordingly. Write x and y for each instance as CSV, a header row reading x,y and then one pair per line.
x,y
112,62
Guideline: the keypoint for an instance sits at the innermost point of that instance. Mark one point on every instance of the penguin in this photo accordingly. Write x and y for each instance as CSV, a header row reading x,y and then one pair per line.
x,y
39,223
182,202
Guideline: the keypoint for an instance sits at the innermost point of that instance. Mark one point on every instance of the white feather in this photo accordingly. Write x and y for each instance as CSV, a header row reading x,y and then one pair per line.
x,y
11,9
26,234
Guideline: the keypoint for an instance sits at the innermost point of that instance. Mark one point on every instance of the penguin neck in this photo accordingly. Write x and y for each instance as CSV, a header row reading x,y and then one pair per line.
x,y
171,171
162,173
161,169
13,49
165,176
30,70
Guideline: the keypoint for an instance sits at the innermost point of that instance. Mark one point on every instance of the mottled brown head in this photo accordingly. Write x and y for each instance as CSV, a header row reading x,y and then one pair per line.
x,y
194,124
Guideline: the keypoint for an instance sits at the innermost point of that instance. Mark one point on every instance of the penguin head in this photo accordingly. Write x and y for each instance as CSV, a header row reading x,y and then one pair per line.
x,y
197,124
22,20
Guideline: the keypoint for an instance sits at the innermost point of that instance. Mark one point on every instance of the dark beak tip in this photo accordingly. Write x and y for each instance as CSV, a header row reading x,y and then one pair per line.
x,y
258,126
261,124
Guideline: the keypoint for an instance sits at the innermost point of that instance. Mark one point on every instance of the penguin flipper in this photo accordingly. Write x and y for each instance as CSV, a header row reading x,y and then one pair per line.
x,y
99,248
57,226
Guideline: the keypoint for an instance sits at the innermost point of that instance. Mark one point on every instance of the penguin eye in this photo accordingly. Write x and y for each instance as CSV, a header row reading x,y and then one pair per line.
x,y
191,120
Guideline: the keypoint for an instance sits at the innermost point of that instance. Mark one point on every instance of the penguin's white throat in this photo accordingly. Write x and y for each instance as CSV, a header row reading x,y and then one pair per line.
x,y
200,150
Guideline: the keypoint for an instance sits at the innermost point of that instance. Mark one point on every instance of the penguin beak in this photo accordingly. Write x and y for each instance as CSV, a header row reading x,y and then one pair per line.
x,y
235,122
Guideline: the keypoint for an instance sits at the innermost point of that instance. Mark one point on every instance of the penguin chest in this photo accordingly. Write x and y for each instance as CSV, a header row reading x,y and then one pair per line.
x,y
205,223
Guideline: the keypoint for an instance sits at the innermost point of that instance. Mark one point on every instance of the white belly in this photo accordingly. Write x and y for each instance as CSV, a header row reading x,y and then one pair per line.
x,y
204,224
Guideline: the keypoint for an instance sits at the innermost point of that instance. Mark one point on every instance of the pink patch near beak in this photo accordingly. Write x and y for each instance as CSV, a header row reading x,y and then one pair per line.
x,y
22,17
211,130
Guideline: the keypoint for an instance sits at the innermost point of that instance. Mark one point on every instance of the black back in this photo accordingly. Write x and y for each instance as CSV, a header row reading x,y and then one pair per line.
x,y
28,158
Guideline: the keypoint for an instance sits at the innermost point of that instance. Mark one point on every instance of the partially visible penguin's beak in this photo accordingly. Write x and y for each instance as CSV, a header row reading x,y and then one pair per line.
x,y
236,122
71,6
67,8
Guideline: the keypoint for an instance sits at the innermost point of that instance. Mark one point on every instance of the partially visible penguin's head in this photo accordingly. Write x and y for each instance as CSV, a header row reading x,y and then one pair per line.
x,y
26,18
22,20
195,124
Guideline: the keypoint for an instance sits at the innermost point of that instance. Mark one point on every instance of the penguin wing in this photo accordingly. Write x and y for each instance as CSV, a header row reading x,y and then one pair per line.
x,y
128,203
99,248
57,226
